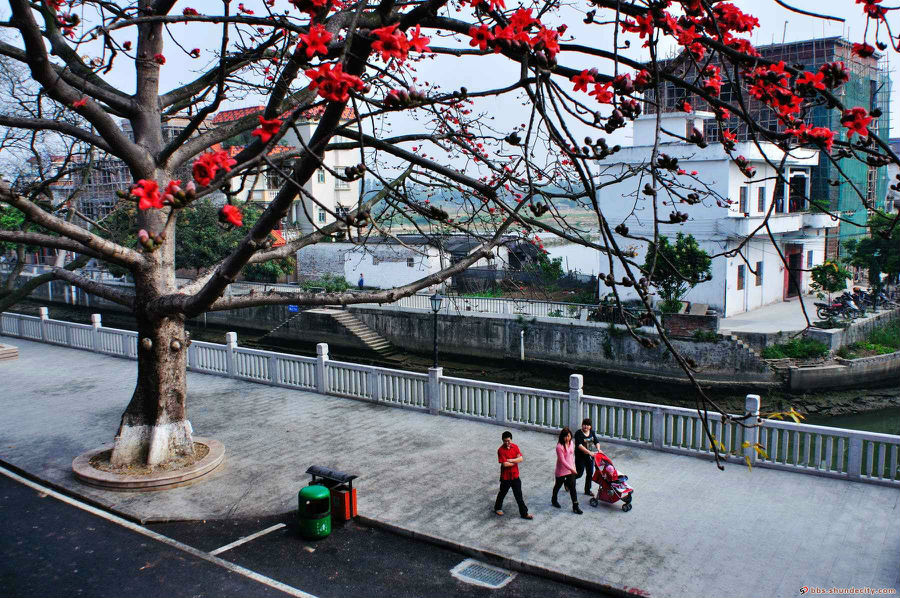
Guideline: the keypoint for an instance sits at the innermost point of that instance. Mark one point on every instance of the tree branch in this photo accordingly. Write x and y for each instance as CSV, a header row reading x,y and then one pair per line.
x,y
42,124
110,251
9,299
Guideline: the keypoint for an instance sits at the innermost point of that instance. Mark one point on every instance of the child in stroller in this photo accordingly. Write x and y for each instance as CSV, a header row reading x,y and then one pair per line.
x,y
612,486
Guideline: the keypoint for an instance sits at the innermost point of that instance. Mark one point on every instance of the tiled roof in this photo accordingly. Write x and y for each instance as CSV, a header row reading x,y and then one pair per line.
x,y
226,116
279,238
315,113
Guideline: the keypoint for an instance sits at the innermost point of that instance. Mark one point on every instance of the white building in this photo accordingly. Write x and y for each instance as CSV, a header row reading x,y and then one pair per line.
x,y
387,262
325,195
754,274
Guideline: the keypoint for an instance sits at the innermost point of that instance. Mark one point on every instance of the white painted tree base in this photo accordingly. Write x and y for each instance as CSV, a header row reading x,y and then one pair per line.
x,y
160,443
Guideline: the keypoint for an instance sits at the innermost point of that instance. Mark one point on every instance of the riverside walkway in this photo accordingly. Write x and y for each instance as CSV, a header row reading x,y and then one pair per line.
x,y
694,531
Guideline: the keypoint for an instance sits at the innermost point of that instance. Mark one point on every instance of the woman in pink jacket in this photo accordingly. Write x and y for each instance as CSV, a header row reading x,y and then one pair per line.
x,y
565,469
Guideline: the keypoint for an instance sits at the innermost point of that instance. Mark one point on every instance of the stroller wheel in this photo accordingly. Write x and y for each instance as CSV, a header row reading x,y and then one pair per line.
x,y
626,507
627,499
594,502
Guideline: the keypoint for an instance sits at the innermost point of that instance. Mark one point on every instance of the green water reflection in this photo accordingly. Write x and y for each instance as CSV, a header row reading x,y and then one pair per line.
x,y
885,421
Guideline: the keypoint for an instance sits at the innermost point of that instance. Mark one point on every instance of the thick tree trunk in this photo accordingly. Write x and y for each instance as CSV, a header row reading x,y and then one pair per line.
x,y
154,427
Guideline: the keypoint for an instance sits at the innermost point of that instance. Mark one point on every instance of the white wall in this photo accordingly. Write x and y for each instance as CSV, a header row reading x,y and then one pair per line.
x,y
387,266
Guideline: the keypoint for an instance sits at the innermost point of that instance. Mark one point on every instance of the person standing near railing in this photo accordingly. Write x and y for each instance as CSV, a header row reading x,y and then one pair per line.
x,y
509,457
565,469
586,442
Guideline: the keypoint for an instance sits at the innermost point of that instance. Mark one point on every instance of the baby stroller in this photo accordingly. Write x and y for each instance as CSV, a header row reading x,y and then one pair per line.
x,y
612,485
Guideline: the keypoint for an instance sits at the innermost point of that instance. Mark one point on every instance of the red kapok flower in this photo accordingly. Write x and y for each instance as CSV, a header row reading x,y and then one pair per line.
x,y
231,215
481,37
190,12
315,40
807,83
863,50
195,53
206,166
267,129
582,80
80,103
390,43
148,194
419,42
334,83
602,93
159,59
686,107
857,121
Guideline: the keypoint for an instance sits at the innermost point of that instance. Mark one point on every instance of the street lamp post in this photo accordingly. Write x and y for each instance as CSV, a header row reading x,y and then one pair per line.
x,y
436,301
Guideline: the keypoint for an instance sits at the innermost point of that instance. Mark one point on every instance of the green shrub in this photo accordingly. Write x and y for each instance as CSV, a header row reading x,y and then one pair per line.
x,y
556,313
670,306
798,348
329,282
706,336
888,336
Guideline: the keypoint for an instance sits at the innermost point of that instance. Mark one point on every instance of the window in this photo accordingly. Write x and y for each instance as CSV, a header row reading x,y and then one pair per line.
x,y
740,279
321,175
689,127
410,262
809,259
745,192
321,215
761,199
759,273
340,183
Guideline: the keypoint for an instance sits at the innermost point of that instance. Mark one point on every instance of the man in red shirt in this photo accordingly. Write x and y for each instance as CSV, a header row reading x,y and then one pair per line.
x,y
509,457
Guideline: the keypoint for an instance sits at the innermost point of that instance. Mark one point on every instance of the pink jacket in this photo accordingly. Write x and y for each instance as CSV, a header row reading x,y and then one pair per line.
x,y
565,459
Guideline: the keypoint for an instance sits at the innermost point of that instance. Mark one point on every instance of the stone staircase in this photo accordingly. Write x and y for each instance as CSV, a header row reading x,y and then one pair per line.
x,y
369,337
8,352
747,348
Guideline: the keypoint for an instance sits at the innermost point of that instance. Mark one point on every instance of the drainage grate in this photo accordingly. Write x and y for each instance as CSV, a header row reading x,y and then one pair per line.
x,y
480,574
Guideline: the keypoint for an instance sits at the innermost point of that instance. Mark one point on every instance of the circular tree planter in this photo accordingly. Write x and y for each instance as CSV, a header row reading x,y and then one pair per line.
x,y
87,473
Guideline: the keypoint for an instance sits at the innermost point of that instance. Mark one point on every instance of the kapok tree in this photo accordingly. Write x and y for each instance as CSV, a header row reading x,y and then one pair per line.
x,y
509,107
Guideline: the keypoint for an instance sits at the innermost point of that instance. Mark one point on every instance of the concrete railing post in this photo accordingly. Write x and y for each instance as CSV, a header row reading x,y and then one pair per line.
x,y
45,315
434,390
659,427
751,435
576,391
500,406
273,370
20,326
321,362
374,383
231,344
854,459
96,323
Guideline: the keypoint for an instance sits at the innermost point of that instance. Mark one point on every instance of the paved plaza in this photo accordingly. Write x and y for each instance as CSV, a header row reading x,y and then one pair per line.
x,y
694,531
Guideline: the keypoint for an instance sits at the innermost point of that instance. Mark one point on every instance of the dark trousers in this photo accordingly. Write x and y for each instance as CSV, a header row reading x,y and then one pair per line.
x,y
516,486
569,481
585,466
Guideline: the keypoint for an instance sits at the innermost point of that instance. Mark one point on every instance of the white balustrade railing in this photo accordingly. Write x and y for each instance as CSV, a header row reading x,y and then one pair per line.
x,y
819,450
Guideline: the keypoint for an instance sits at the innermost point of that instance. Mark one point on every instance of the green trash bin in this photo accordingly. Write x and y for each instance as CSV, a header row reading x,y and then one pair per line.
x,y
314,512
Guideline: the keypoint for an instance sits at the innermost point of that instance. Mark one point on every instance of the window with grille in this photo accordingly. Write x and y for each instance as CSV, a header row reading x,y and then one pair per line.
x,y
741,274
809,259
759,274
321,175
321,215
761,199
410,262
745,191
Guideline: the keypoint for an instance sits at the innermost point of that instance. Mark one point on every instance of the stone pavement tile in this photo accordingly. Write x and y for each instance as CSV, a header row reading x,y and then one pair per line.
x,y
437,476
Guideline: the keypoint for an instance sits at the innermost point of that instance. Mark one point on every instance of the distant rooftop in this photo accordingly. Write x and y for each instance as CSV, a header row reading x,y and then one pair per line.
x,y
314,113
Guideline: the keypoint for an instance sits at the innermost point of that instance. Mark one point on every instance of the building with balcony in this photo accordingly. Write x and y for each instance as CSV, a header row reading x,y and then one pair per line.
x,y
869,86
730,219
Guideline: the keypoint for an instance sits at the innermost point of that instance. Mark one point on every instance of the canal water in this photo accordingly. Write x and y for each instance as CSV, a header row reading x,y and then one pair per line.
x,y
885,421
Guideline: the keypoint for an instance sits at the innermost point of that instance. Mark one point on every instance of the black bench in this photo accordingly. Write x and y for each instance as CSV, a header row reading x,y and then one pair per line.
x,y
330,477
